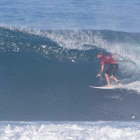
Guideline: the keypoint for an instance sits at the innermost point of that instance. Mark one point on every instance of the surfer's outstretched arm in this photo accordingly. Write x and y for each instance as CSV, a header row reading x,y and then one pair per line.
x,y
102,68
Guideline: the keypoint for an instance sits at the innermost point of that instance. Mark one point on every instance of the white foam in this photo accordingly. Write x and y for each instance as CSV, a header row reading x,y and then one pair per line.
x,y
132,86
69,130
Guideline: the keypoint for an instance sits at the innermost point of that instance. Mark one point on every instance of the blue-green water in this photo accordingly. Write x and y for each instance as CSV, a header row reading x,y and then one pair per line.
x,y
72,14
48,61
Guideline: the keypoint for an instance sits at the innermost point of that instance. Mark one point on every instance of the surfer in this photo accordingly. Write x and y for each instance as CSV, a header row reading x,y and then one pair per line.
x,y
111,71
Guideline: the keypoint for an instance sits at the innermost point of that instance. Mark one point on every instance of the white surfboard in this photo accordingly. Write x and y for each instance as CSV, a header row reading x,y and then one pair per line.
x,y
111,87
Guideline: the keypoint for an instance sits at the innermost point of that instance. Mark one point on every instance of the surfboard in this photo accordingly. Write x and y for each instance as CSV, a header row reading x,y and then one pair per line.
x,y
111,87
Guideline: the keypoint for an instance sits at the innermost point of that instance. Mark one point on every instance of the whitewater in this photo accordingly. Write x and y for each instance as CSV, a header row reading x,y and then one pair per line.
x,y
69,130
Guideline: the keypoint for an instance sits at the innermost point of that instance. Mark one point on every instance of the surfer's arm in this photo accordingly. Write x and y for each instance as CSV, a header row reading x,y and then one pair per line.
x,y
102,68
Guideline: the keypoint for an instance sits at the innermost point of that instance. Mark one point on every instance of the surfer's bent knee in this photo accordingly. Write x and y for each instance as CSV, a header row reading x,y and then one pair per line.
x,y
111,76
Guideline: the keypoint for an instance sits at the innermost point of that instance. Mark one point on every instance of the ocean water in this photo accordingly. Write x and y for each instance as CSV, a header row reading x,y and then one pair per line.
x,y
72,14
48,61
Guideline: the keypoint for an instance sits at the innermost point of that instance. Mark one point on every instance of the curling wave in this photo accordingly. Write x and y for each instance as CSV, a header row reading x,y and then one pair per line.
x,y
45,75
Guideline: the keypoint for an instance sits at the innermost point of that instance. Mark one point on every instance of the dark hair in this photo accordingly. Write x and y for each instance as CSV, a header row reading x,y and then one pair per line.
x,y
99,53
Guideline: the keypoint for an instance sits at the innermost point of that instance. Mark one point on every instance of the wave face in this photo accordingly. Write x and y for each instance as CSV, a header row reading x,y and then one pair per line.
x,y
45,75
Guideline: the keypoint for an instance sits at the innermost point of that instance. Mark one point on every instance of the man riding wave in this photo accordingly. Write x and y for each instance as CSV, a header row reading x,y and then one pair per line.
x,y
111,71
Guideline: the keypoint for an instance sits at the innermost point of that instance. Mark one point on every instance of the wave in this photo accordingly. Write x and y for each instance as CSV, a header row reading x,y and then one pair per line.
x,y
47,74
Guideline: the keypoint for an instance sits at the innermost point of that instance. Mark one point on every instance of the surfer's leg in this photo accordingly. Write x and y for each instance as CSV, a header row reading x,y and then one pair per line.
x,y
114,71
107,74
115,79
107,80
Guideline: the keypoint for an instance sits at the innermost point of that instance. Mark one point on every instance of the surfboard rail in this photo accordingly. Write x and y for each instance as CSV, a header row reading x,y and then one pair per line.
x,y
111,87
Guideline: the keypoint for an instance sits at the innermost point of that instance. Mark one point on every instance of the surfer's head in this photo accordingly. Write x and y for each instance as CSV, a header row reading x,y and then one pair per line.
x,y
99,54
